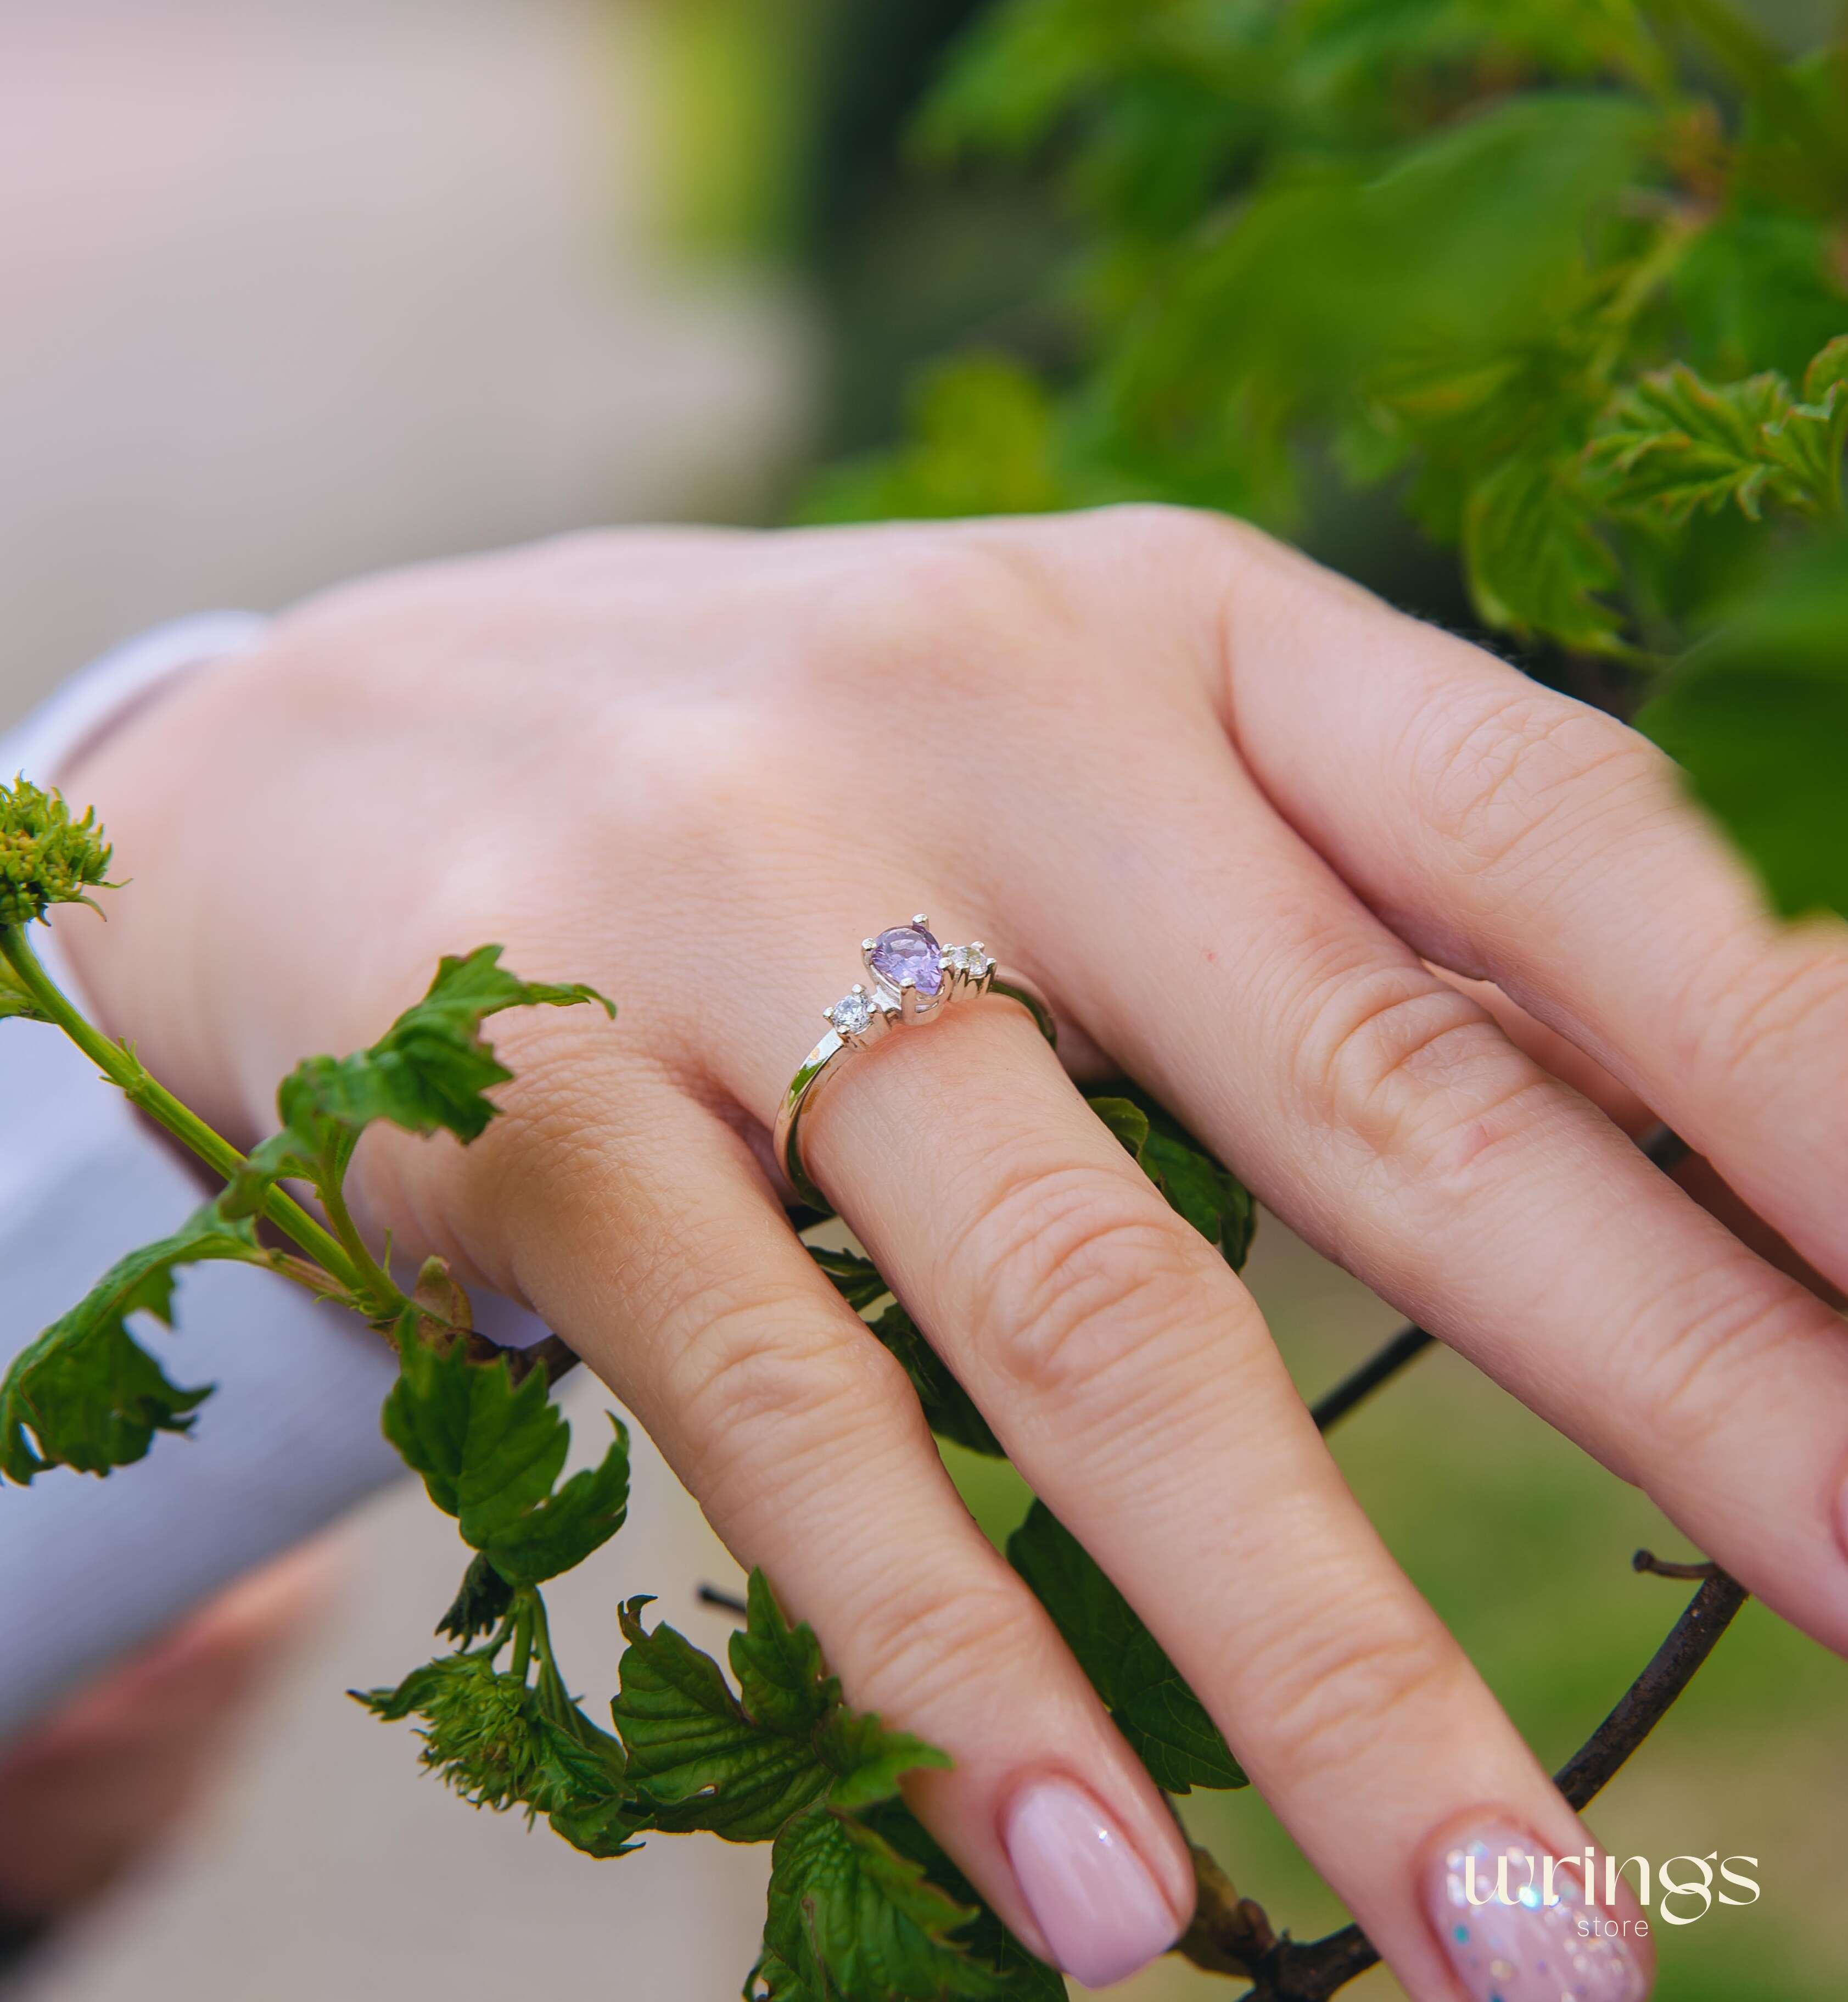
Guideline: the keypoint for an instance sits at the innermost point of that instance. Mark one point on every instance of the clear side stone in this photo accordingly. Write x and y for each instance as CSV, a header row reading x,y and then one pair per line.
x,y
852,1014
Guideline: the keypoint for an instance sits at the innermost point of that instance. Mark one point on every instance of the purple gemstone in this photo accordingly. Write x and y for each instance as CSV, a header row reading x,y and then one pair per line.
x,y
907,952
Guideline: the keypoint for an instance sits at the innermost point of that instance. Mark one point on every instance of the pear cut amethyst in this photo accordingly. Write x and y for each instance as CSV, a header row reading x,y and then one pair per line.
x,y
907,952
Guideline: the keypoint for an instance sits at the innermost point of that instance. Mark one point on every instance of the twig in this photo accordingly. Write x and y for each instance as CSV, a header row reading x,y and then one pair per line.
x,y
1407,1343
1647,1560
726,1601
1648,1699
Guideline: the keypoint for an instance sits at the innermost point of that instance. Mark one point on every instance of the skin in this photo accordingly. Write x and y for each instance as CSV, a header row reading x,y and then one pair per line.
x,y
1253,833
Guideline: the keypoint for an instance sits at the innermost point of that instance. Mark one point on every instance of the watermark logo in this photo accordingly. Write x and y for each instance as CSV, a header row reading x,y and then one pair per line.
x,y
1682,1890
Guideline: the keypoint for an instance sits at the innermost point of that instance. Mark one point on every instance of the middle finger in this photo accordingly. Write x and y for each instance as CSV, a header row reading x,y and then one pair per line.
x,y
1130,1376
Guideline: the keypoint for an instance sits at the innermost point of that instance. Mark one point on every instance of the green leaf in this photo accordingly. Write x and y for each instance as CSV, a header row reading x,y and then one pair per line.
x,y
742,1765
1025,1978
1674,443
481,1602
85,1394
984,441
1210,1198
565,1528
1164,1721
583,1786
489,1450
1757,719
853,1920
857,1280
1537,563
430,1072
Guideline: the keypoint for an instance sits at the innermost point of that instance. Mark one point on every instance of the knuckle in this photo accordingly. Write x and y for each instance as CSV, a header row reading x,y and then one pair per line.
x,y
1715,1336
1073,1276
1415,1071
1504,785
1752,1016
925,1641
754,1373
1331,1689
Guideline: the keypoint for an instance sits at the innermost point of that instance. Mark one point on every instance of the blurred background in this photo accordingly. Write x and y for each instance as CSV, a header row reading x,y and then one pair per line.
x,y
295,289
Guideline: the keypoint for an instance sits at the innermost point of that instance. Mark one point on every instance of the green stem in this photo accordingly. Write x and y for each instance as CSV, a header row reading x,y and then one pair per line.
x,y
375,1281
522,1656
125,1071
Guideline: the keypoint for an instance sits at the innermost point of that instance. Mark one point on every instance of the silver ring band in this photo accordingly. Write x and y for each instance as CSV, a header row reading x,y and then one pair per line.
x,y
911,978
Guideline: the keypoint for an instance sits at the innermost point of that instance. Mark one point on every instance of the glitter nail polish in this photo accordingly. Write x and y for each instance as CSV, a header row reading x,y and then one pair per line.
x,y
1486,1894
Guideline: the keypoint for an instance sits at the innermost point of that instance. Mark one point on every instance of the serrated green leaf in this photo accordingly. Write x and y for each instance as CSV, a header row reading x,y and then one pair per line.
x,y
1674,443
489,1450
741,1765
855,1921
1165,1724
85,1394
1758,718
564,1529
1537,563
429,1072
1025,1978
857,1280
1210,1198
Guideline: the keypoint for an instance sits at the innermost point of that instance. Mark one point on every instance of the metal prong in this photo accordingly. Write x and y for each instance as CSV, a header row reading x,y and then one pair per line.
x,y
975,945
921,921
866,945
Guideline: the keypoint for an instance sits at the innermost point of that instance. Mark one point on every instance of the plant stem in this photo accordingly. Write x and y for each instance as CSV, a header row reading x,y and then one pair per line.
x,y
522,1656
125,1071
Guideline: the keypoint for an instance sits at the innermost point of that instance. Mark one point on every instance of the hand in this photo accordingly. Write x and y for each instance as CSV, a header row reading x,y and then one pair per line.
x,y
1227,810
93,1791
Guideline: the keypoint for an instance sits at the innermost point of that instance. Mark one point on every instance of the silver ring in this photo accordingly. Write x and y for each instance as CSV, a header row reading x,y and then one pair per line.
x,y
911,978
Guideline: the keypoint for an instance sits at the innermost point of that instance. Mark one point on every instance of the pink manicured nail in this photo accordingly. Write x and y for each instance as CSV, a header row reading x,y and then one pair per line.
x,y
1103,1914
1487,1895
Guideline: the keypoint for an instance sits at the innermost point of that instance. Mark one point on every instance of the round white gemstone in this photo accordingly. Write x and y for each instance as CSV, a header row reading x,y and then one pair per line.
x,y
966,960
852,1014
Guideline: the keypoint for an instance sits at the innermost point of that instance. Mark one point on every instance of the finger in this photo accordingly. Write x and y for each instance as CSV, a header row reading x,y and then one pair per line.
x,y
1692,1172
1510,832
1130,1376
643,1231
1383,1113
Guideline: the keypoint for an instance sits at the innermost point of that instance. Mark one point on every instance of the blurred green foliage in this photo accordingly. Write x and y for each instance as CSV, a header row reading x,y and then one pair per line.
x,y
1559,285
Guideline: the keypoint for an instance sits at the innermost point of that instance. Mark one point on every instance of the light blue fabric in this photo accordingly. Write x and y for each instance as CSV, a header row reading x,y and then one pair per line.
x,y
289,1440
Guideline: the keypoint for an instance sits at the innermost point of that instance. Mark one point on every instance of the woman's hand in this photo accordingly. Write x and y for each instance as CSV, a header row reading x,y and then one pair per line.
x,y
1227,812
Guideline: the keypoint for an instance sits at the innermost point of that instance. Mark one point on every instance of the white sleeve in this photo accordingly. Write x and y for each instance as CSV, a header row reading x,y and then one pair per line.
x,y
290,1437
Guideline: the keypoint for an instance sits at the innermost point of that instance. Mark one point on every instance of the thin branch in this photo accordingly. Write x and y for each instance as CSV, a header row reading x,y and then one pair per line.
x,y
1649,1698
1647,1560
1377,1369
725,1602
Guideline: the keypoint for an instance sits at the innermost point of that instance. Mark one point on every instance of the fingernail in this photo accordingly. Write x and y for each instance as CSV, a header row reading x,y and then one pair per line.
x,y
1487,1896
1104,1915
